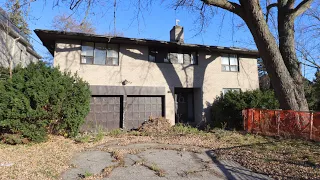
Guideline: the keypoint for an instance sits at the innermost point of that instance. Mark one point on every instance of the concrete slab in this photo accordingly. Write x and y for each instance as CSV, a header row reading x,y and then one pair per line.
x,y
176,164
90,162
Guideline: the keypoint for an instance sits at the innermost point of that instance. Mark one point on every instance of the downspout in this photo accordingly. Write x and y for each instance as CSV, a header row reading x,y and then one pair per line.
x,y
12,55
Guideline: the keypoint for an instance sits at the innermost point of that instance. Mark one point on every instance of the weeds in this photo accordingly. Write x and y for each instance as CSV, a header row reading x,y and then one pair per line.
x,y
90,137
185,129
159,172
99,136
117,155
83,138
87,174
116,132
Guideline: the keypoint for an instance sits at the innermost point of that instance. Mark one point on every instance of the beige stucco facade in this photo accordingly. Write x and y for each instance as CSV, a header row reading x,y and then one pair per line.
x,y
15,49
134,67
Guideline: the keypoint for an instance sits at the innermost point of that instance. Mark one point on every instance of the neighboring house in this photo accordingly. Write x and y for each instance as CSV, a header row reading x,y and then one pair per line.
x,y
14,45
133,79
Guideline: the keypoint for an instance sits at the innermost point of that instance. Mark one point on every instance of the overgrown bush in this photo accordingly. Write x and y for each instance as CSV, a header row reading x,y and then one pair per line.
x,y
4,73
39,100
226,109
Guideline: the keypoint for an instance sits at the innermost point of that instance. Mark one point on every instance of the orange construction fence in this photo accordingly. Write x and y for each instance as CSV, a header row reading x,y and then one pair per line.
x,y
285,123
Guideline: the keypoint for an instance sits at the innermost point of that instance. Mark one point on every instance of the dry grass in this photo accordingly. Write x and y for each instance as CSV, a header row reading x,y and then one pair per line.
x,y
40,161
283,159
280,158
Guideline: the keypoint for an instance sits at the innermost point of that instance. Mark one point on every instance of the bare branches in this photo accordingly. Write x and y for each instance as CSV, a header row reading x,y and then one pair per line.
x,y
301,8
75,4
269,8
227,5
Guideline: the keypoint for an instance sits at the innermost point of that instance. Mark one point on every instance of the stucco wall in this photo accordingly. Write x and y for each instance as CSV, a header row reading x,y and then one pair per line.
x,y
20,55
135,68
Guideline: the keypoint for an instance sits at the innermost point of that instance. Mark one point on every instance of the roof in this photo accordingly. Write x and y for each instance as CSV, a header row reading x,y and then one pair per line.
x,y
48,38
15,32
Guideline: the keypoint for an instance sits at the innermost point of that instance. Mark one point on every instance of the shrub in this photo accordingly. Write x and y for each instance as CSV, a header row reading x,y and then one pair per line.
x,y
226,110
40,100
4,73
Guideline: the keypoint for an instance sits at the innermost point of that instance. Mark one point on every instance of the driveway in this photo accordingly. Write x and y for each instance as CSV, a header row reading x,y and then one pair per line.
x,y
154,161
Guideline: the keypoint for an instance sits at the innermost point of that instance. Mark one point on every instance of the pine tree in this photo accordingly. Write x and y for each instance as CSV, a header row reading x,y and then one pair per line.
x,y
17,15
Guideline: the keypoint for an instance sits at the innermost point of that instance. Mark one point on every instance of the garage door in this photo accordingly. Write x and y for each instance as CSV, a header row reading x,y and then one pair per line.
x,y
140,108
104,113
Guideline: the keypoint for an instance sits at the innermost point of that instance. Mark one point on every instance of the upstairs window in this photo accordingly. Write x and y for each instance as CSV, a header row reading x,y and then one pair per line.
x,y
225,90
229,62
100,53
87,50
160,55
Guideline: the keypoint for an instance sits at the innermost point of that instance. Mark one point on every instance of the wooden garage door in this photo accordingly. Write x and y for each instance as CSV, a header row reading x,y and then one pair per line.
x,y
140,108
104,113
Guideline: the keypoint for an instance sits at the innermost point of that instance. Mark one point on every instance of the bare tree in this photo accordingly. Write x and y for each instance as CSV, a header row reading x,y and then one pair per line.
x,y
18,12
65,22
278,53
308,33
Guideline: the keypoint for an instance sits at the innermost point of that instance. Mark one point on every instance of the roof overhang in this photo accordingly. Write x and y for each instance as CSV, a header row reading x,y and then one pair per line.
x,y
48,38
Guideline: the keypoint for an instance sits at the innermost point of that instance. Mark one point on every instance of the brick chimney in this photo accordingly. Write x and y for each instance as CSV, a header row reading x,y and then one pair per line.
x,y
176,33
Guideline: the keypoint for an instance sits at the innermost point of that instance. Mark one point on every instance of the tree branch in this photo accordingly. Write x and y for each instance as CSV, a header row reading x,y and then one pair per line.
x,y
227,5
301,8
269,8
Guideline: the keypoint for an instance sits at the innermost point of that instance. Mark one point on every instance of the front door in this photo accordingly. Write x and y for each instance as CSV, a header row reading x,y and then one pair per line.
x,y
184,105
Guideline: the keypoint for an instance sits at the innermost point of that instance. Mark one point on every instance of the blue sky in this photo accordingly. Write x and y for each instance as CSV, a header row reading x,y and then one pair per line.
x,y
153,22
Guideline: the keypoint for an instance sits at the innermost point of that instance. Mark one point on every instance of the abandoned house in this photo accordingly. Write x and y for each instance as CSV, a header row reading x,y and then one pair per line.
x,y
15,47
132,79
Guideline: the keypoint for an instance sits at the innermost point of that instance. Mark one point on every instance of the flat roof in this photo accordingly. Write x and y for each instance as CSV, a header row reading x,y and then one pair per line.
x,y
48,38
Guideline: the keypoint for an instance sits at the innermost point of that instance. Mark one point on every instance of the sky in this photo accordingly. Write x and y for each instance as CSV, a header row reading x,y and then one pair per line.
x,y
152,22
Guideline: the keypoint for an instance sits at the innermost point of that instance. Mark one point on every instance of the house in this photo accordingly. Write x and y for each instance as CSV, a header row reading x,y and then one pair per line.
x,y
15,47
133,79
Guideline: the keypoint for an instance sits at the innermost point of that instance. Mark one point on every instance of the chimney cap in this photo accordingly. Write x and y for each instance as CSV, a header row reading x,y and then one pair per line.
x,y
177,22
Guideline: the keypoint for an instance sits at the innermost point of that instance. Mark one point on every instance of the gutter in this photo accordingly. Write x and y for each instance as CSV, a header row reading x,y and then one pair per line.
x,y
21,39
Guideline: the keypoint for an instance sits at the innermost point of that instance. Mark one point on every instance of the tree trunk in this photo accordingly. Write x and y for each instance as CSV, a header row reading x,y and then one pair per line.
x,y
288,52
286,80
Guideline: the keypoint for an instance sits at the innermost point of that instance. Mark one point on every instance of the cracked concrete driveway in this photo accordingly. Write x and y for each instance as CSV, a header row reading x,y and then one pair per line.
x,y
154,161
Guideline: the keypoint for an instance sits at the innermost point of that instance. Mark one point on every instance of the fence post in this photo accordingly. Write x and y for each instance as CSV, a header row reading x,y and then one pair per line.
x,y
260,122
311,125
278,122
252,119
245,117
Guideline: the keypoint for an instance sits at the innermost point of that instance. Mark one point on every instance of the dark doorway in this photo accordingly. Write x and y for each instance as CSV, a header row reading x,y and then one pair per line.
x,y
184,105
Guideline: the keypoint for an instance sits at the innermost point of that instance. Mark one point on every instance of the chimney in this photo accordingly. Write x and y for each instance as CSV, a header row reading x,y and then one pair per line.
x,y
176,33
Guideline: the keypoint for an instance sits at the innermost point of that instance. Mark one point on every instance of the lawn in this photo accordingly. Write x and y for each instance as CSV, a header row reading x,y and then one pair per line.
x,y
280,158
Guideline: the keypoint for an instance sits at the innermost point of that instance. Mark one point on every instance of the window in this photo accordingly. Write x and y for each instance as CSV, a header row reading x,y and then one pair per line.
x,y
229,62
225,90
87,52
160,55
99,53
